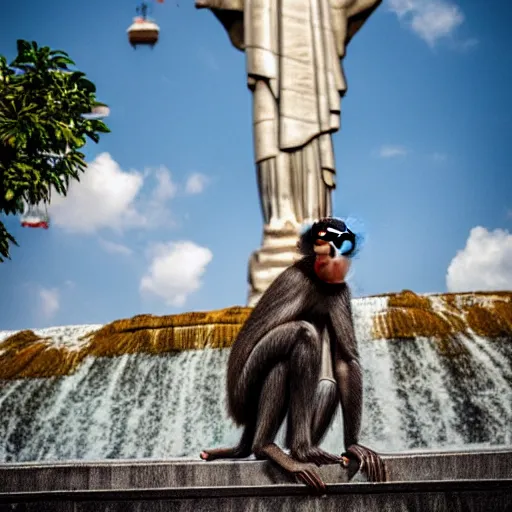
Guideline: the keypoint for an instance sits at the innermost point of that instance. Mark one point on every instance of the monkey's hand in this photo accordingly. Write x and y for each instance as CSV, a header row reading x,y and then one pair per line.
x,y
359,458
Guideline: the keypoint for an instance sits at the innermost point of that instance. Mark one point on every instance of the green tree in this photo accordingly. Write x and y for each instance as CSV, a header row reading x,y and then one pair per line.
x,y
43,127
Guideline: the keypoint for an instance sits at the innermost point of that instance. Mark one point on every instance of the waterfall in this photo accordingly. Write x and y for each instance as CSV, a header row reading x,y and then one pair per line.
x,y
173,405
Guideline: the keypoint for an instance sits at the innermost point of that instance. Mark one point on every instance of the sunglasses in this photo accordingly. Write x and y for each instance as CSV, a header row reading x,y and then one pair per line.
x,y
343,241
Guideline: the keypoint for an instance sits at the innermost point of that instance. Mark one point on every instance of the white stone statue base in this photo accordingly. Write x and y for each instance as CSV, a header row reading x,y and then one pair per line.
x,y
278,251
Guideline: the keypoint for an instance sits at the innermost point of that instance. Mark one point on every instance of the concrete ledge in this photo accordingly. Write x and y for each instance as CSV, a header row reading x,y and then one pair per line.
x,y
154,474
260,491
433,481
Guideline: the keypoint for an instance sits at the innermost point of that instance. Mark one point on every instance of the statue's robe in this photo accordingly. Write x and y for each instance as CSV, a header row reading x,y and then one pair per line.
x,y
293,50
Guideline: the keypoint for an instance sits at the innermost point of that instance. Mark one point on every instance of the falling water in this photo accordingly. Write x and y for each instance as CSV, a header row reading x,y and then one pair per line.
x,y
173,405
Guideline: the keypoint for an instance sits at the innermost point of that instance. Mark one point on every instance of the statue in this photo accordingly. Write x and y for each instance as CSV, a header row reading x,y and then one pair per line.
x,y
293,50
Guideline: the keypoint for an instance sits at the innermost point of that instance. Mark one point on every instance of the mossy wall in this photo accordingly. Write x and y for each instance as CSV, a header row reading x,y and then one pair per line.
x,y
407,316
27,355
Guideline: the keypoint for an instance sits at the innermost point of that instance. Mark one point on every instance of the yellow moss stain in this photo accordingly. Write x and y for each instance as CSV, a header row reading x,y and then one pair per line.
x,y
408,299
503,310
409,316
494,321
25,354
157,334
409,324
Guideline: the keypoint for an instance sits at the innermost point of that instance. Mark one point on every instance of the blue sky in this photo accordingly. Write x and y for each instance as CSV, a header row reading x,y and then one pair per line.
x,y
167,215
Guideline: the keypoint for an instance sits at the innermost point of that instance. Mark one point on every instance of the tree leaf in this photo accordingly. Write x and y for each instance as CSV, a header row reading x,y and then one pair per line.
x,y
5,239
22,46
87,85
93,136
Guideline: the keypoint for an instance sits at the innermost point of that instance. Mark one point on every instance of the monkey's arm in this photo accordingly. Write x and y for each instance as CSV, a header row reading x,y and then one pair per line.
x,y
349,378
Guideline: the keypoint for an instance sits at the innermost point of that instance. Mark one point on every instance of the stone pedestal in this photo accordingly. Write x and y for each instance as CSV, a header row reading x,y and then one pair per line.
x,y
278,251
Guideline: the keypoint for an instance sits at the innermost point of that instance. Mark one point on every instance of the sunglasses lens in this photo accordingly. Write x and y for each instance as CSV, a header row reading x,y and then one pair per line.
x,y
346,247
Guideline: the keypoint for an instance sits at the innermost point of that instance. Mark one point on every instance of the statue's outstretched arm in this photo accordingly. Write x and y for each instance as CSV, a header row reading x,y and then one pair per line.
x,y
357,15
231,14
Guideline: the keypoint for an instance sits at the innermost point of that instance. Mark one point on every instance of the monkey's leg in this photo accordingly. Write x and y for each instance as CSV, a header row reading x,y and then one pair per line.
x,y
271,413
276,346
304,370
242,451
326,403
272,406
298,345
262,362
244,448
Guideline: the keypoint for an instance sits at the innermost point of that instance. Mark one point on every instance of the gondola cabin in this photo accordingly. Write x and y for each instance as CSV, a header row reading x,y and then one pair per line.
x,y
98,112
35,216
143,32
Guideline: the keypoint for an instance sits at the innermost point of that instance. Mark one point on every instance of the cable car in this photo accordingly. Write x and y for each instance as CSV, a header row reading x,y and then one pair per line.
x,y
35,216
143,30
98,112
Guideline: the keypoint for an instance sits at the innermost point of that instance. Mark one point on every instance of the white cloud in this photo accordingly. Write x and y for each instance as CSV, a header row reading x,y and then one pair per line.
x,y
175,271
484,264
109,198
429,19
104,198
165,188
49,301
115,248
196,183
388,151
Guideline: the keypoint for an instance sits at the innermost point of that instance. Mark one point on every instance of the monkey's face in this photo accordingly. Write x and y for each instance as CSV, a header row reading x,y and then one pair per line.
x,y
332,237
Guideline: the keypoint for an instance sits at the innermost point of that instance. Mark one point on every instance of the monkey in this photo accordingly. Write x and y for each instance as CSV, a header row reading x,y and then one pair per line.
x,y
296,355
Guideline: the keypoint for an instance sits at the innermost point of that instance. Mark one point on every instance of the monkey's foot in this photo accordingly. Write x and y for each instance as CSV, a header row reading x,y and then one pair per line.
x,y
307,474
236,452
367,461
315,455
303,472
